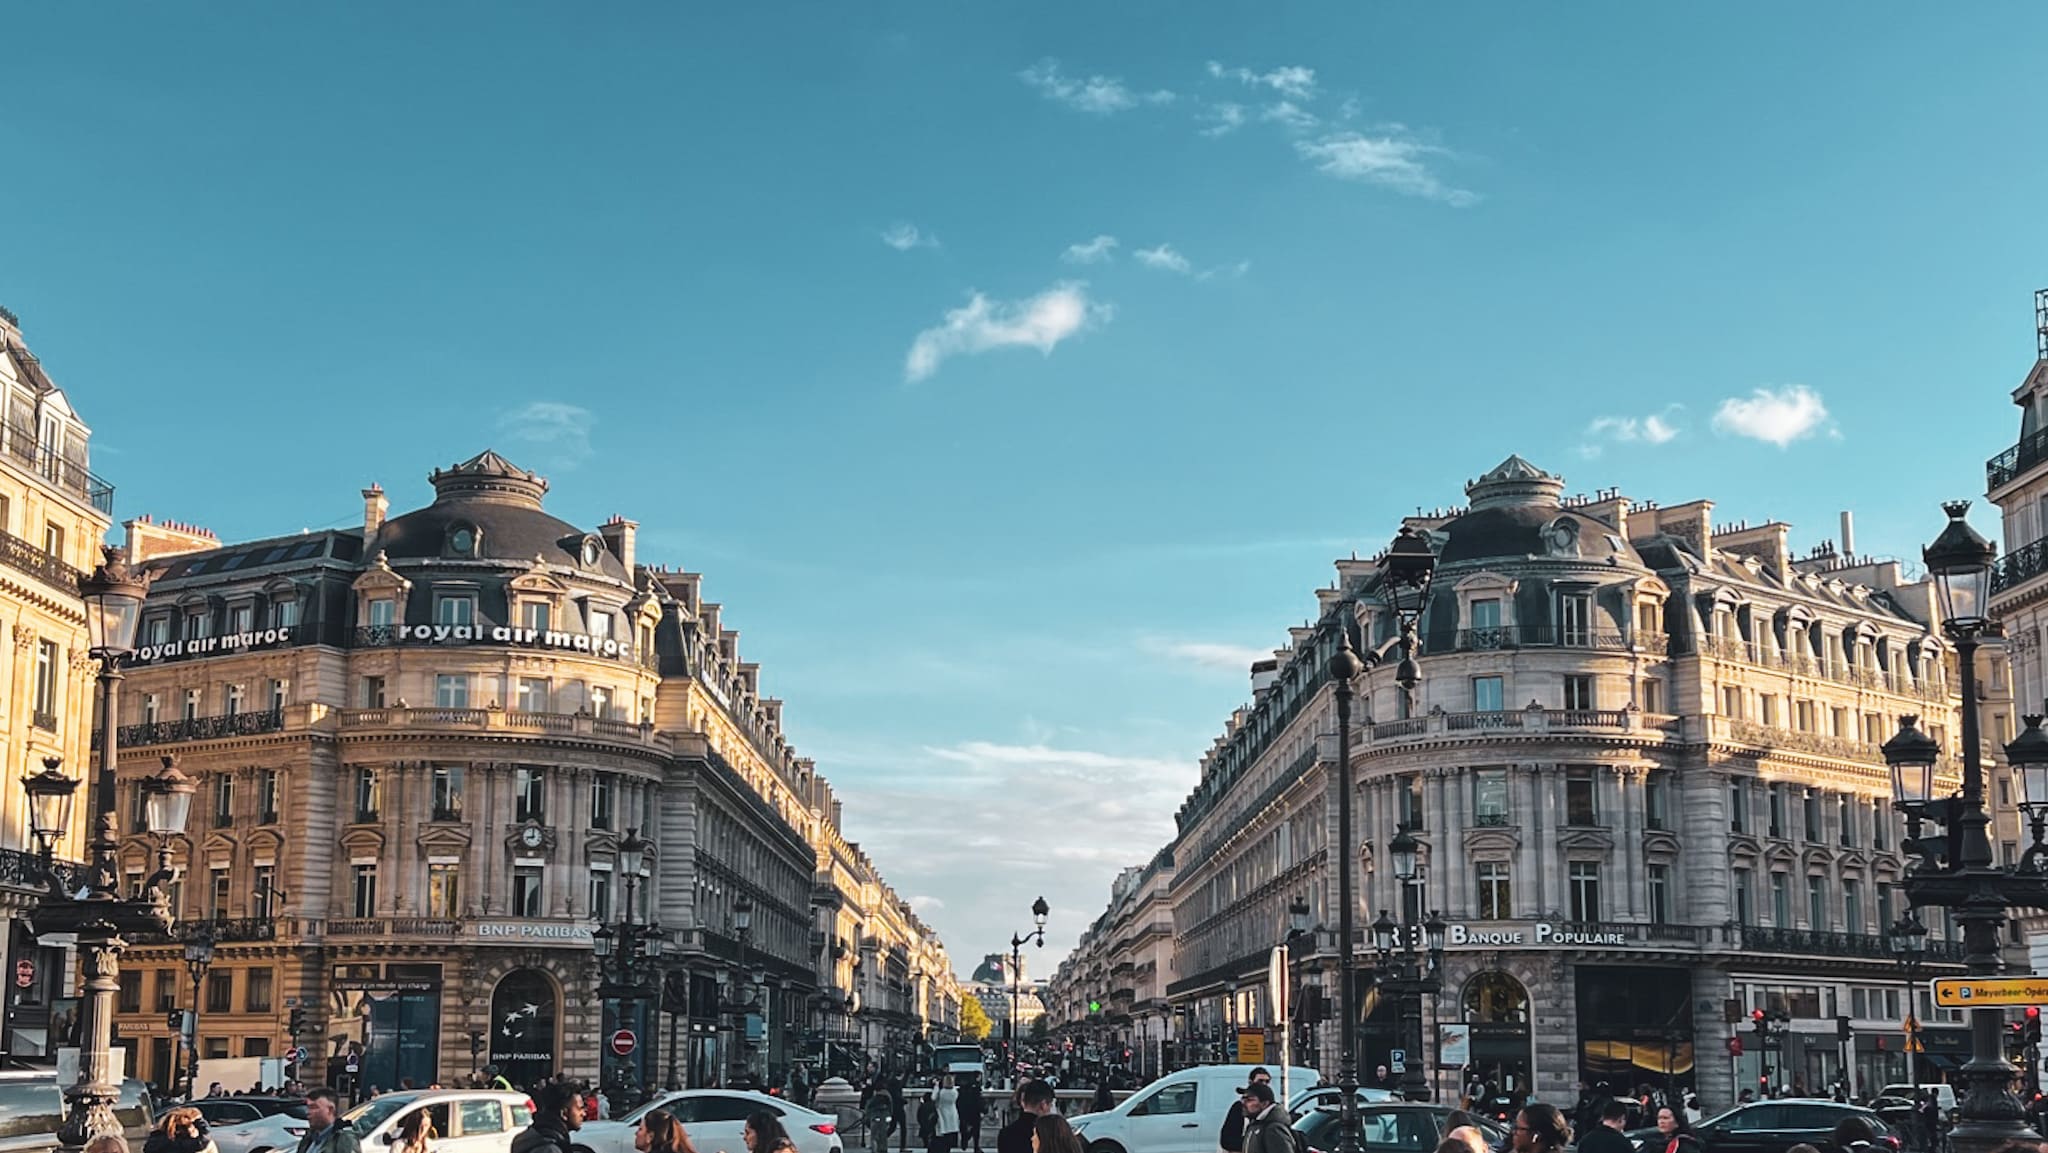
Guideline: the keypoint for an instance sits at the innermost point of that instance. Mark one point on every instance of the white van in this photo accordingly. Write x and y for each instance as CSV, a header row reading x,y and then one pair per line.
x,y
1179,1113
1944,1094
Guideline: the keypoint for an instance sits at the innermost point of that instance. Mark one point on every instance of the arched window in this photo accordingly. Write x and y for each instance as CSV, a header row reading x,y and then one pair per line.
x,y
1494,997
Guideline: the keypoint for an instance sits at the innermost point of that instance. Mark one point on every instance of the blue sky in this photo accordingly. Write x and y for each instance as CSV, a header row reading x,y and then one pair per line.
x,y
816,294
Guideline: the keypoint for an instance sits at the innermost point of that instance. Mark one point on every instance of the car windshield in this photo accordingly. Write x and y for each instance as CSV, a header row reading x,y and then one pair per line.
x,y
636,1115
367,1116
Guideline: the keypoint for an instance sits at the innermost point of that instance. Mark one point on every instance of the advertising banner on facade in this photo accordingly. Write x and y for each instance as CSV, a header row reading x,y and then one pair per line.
x,y
1453,1046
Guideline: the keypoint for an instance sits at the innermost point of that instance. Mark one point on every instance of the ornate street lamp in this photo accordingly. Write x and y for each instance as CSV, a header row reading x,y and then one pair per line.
x,y
1908,940
198,959
1039,910
1954,870
627,944
50,796
1403,973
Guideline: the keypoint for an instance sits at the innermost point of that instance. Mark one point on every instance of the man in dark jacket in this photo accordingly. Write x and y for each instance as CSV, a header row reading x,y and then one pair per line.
x,y
557,1112
1610,1135
1267,1129
970,1114
1035,1099
1232,1138
324,1131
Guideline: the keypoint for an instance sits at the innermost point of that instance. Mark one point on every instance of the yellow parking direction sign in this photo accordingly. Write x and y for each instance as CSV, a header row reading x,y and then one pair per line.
x,y
1971,992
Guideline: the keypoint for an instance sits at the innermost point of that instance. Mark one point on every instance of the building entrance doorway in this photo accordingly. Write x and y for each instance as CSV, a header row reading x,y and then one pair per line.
x,y
1496,1005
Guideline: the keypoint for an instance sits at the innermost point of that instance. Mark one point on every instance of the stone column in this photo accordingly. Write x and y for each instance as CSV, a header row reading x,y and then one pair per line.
x,y
1529,876
570,794
1443,855
1628,787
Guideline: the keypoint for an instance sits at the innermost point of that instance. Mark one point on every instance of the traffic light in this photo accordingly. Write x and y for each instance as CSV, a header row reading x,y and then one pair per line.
x,y
298,1021
1756,1018
2033,1025
176,1020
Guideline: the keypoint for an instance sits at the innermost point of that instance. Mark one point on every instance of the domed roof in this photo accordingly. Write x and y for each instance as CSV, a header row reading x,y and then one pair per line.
x,y
1517,513
488,508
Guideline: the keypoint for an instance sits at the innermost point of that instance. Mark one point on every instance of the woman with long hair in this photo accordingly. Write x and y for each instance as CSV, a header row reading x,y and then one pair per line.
x,y
1540,1128
660,1132
946,1131
415,1132
1052,1134
1674,1133
181,1130
765,1134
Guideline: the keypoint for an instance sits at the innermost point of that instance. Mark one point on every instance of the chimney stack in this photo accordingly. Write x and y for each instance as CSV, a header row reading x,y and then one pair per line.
x,y
1848,535
374,508
618,534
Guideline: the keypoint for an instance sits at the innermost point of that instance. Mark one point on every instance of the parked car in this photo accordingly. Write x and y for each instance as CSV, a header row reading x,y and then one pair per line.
x,y
277,1131
714,1119
1391,1127
1774,1127
1320,1095
1181,1112
1944,1095
32,1107
235,1110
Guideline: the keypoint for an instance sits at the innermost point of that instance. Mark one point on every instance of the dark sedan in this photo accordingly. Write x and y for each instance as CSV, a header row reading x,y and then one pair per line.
x,y
1771,1127
1391,1127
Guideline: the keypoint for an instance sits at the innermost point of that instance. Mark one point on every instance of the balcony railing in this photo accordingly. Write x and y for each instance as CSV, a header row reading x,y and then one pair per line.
x,y
219,929
1530,720
22,556
1808,942
1803,664
577,724
2001,469
1549,636
198,729
2020,565
21,869
53,466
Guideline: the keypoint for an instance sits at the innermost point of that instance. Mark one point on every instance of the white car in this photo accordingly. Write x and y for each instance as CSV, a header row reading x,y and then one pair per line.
x,y
465,1121
1321,1095
714,1119
1181,1112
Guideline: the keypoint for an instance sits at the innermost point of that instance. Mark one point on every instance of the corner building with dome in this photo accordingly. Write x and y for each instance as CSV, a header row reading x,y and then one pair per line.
x,y
420,744
1643,766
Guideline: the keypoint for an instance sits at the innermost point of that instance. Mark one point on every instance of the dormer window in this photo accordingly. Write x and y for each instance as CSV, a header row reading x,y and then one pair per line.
x,y
462,538
592,550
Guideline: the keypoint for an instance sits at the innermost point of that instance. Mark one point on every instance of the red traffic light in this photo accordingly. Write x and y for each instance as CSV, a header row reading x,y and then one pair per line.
x,y
1756,1015
2033,1012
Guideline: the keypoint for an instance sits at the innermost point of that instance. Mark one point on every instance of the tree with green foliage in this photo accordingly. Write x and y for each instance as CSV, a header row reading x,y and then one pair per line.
x,y
974,1022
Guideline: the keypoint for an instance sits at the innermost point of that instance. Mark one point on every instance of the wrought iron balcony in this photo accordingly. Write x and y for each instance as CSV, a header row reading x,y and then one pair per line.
x,y
22,556
1549,636
198,729
394,927
53,466
220,930
21,869
2030,451
1812,943
2020,565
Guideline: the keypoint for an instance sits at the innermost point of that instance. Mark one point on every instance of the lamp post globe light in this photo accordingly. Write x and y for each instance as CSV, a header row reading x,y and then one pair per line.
x,y
1039,911
198,959
626,945
1954,869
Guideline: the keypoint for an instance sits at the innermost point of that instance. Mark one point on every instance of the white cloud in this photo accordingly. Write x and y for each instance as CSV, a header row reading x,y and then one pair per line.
x,y
904,236
1101,95
925,904
560,431
1775,416
1164,258
1223,118
1391,160
1094,252
1041,322
1209,654
1293,80
1657,428
1288,115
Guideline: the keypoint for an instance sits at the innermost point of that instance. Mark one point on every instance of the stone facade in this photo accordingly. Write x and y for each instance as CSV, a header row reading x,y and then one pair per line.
x,y
1643,765
54,515
419,745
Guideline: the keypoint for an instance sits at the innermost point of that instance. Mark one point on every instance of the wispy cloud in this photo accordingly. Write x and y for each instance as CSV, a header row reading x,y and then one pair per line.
x,y
1039,322
1289,115
1101,95
1069,818
1657,428
1293,81
1225,271
1094,252
1222,119
1208,654
904,236
1774,415
925,904
560,432
1164,258
1392,159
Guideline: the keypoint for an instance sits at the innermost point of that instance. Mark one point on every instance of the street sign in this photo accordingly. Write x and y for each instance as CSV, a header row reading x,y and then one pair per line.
x,y
24,973
1397,1061
623,1042
1277,991
352,1065
1968,992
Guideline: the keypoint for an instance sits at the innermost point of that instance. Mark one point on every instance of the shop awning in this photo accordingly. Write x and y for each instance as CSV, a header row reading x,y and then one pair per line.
x,y
1940,1062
